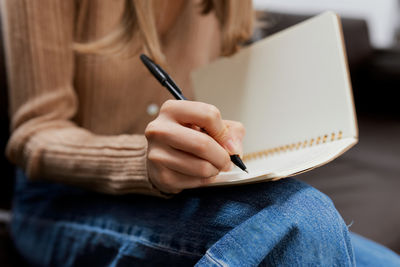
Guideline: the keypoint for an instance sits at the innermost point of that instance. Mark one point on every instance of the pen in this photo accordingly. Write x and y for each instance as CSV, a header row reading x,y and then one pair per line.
x,y
171,86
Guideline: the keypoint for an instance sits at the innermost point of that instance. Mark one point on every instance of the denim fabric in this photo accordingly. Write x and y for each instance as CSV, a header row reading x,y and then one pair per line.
x,y
284,223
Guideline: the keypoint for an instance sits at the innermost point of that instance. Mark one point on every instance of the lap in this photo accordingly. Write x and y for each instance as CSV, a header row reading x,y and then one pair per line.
x,y
69,225
187,224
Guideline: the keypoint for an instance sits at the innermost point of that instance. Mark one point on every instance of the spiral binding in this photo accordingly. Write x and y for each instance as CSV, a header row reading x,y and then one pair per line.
x,y
294,146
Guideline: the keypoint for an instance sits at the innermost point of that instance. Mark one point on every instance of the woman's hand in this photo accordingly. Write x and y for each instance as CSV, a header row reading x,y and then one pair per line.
x,y
180,155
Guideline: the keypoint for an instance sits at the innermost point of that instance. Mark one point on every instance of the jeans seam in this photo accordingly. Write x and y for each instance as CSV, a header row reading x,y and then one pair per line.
x,y
110,232
213,259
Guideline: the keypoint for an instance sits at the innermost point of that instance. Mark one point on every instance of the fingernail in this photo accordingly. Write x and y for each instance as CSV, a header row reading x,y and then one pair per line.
x,y
232,146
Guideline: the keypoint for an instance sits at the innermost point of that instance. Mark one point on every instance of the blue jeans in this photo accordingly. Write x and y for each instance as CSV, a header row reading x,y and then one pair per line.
x,y
283,223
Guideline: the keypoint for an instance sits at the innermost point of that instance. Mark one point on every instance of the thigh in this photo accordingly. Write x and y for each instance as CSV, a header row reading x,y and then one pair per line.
x,y
72,227
369,253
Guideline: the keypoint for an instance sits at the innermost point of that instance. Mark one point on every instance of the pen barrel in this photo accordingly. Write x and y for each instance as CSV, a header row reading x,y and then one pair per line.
x,y
173,91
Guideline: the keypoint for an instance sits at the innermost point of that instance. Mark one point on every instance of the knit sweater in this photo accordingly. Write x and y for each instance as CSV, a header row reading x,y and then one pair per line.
x,y
79,119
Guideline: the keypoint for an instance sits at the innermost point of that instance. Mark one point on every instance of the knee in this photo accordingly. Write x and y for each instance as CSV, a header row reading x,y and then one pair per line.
x,y
297,203
311,231
312,210
316,222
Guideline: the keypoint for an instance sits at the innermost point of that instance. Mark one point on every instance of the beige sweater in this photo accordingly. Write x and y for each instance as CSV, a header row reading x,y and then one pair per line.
x,y
79,119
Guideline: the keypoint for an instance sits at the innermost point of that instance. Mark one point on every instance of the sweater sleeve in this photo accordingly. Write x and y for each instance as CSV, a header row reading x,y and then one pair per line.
x,y
45,142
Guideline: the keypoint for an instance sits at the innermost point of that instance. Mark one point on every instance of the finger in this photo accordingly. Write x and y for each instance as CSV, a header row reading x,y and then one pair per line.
x,y
182,162
236,128
191,141
206,116
237,132
171,181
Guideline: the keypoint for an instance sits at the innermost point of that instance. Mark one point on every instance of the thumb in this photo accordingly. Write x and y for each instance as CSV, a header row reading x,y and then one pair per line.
x,y
233,146
230,142
233,141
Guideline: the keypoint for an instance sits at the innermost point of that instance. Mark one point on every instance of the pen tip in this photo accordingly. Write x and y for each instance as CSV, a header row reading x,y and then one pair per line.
x,y
238,162
246,171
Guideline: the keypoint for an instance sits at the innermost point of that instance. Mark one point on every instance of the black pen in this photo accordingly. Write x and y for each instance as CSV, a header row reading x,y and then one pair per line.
x,y
171,86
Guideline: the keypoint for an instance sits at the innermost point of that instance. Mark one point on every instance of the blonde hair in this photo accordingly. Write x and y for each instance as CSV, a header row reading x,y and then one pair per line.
x,y
236,18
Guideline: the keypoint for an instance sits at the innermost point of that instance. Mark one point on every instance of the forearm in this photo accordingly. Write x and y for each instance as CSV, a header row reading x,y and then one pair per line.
x,y
60,151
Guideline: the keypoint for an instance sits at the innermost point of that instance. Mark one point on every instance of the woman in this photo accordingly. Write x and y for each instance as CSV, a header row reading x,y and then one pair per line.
x,y
84,119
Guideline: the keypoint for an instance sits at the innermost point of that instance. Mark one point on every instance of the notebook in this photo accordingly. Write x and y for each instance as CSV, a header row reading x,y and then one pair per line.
x,y
292,92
